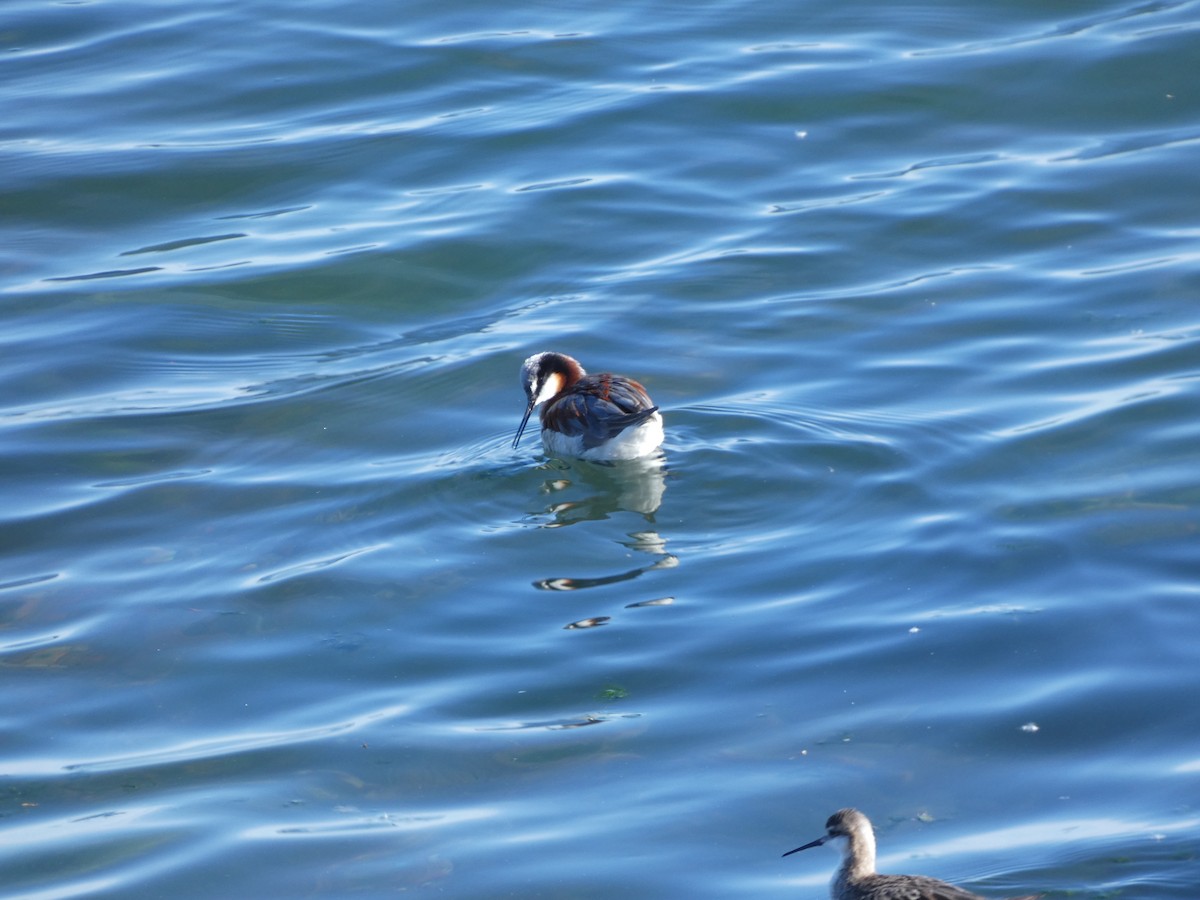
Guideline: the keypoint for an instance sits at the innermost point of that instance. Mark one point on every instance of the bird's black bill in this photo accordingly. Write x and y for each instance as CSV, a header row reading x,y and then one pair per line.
x,y
817,843
524,422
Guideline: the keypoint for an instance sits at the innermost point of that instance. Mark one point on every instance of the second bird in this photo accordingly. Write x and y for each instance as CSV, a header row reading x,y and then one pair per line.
x,y
857,879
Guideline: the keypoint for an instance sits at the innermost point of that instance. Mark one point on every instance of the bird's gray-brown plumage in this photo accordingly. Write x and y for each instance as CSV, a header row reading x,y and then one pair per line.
x,y
857,878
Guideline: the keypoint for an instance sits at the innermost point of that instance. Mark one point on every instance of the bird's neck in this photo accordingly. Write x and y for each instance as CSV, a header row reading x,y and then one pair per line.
x,y
859,858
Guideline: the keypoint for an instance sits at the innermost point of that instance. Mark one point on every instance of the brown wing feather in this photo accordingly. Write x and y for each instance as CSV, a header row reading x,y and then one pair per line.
x,y
598,408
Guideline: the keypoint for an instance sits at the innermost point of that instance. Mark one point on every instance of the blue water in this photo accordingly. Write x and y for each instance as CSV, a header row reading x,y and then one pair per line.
x,y
282,614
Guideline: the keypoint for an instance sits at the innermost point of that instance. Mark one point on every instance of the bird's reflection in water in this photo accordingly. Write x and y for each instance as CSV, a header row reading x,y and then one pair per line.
x,y
594,491
581,492
601,489
561,583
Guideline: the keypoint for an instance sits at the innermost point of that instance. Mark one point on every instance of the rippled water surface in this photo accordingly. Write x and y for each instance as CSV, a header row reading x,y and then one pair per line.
x,y
282,614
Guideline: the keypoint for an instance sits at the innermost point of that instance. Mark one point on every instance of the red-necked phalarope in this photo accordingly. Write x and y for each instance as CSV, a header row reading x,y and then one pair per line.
x,y
588,416
857,879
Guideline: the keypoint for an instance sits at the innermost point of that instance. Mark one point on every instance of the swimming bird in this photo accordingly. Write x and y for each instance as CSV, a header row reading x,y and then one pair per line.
x,y
857,878
597,417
